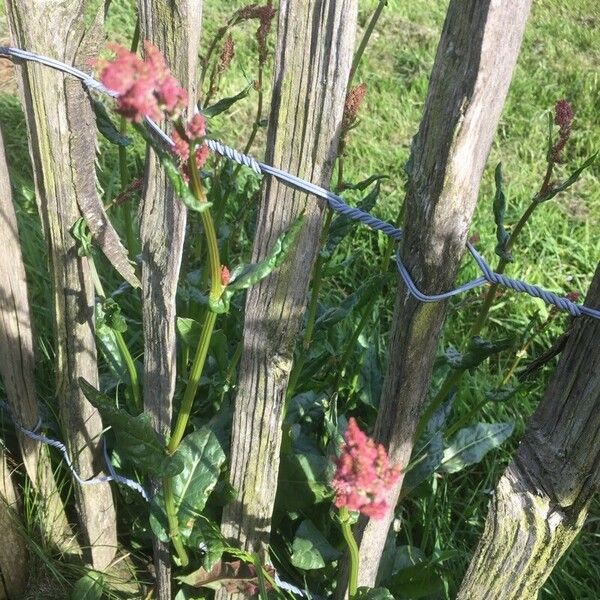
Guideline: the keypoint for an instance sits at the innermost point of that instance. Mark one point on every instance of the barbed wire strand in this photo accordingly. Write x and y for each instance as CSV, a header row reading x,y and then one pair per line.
x,y
336,203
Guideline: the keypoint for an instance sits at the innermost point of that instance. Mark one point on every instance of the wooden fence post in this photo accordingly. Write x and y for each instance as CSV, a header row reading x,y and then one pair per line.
x,y
13,550
314,54
61,129
174,27
17,368
475,59
542,500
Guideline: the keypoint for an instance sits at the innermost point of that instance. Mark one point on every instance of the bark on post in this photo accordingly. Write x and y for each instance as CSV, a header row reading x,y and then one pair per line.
x,y
173,27
62,145
475,59
542,500
17,368
314,54
13,550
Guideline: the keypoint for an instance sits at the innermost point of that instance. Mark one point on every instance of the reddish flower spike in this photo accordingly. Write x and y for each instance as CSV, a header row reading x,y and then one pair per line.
x,y
363,475
144,88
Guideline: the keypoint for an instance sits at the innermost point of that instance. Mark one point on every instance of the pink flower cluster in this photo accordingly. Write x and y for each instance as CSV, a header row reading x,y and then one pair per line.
x,y
146,88
363,474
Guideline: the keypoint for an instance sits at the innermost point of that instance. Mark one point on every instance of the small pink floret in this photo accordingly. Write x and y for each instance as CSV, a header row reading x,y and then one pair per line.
x,y
363,474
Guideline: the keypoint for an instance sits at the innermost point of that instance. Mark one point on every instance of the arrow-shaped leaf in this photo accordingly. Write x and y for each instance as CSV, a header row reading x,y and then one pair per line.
x,y
137,440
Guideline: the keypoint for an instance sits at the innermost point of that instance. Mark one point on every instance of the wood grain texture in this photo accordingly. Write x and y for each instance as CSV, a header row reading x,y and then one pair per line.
x,y
174,27
473,67
314,53
13,549
61,129
17,368
541,502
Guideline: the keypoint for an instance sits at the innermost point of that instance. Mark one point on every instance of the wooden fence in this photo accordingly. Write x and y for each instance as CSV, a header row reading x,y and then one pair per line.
x,y
476,56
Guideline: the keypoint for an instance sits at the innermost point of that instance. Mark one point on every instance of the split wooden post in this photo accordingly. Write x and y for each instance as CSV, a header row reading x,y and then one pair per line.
x,y
541,502
314,55
174,28
62,144
13,550
473,67
17,368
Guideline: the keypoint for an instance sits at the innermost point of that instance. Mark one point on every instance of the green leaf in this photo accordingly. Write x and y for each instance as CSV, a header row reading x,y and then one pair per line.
x,y
357,299
568,182
112,317
207,536
248,275
479,350
502,235
366,593
202,460
310,549
137,440
426,463
106,126
82,235
303,480
180,186
417,581
189,331
88,587
471,444
226,103
370,377
502,394
107,345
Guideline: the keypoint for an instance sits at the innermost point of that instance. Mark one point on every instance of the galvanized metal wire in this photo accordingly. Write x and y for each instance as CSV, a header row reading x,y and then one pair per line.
x,y
336,203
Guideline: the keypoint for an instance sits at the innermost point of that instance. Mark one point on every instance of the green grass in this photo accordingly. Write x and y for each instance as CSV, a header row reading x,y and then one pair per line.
x,y
559,248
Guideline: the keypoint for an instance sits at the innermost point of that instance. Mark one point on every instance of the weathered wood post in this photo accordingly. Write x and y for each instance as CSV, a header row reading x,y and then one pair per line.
x,y
61,129
17,368
541,502
13,550
174,28
475,59
314,54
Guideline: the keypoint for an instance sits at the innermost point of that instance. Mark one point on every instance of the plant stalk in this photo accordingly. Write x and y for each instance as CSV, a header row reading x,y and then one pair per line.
x,y
352,549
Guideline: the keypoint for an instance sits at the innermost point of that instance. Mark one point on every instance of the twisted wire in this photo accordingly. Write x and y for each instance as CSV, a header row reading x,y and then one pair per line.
x,y
113,475
336,203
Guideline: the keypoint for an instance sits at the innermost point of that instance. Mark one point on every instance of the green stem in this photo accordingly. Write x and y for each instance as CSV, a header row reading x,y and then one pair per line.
x,y
194,379
174,533
365,40
502,263
455,375
123,170
449,383
123,349
353,550
316,286
312,307
216,289
189,394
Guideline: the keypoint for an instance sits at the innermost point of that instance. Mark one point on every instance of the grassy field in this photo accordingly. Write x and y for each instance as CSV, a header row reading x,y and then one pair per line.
x,y
558,249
